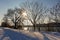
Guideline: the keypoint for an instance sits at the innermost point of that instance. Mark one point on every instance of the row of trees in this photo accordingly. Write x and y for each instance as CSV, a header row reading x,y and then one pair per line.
x,y
34,11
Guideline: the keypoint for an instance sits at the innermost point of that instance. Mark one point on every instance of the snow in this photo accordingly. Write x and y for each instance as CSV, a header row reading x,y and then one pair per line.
x,y
13,34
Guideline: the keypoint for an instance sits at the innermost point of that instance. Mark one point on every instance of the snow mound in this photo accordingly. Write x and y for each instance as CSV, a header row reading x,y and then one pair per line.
x,y
13,34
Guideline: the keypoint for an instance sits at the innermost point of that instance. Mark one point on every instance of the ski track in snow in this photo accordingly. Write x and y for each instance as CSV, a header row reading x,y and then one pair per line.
x,y
13,34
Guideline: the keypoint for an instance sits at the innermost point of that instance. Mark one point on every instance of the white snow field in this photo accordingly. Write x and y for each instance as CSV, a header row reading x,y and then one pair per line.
x,y
13,34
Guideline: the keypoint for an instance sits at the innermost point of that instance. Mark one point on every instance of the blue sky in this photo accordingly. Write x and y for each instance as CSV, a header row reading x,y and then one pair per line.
x,y
6,4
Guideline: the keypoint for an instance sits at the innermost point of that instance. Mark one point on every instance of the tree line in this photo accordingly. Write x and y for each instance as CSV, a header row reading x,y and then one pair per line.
x,y
33,11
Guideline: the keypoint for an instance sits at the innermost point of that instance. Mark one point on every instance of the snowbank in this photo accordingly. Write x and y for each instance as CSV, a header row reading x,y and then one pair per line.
x,y
13,34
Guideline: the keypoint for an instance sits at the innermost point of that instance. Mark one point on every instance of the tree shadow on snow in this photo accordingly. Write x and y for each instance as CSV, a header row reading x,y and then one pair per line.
x,y
17,36
45,37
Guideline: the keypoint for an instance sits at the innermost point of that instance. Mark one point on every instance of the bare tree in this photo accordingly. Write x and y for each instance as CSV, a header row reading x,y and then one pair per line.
x,y
35,10
4,23
55,14
14,16
18,20
55,11
8,16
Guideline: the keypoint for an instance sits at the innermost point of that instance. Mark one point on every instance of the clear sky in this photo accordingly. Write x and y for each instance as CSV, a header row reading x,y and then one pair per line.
x,y
6,4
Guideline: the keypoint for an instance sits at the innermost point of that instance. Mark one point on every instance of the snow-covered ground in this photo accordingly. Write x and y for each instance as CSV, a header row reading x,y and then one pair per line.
x,y
13,34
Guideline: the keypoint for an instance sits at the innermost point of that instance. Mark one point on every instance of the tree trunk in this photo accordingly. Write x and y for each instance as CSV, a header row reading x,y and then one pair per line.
x,y
15,26
34,26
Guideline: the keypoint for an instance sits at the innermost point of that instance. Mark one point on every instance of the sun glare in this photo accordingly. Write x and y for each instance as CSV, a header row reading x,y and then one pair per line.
x,y
24,14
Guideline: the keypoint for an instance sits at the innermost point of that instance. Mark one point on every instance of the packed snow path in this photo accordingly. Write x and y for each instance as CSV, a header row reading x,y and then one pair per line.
x,y
13,34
